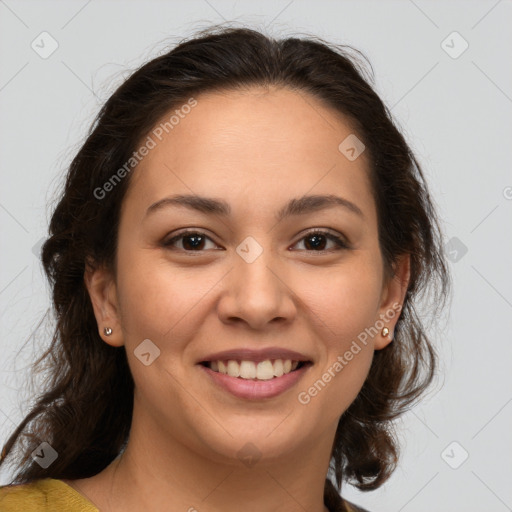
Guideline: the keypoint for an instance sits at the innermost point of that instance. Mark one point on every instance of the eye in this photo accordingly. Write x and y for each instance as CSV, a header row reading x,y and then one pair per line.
x,y
191,241
315,241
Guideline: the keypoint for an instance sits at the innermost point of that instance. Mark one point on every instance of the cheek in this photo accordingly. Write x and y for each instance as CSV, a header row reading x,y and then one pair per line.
x,y
345,298
159,300
344,308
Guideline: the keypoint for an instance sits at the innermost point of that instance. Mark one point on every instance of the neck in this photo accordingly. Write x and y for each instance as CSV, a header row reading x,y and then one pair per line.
x,y
156,472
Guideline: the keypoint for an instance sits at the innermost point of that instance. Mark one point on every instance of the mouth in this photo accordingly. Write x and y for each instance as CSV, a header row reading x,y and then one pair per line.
x,y
268,369
254,379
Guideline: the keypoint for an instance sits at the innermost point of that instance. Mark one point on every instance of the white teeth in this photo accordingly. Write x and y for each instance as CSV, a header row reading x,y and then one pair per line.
x,y
264,370
233,369
247,370
278,368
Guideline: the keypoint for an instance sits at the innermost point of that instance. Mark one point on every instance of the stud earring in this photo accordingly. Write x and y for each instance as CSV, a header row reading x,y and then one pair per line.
x,y
385,331
107,331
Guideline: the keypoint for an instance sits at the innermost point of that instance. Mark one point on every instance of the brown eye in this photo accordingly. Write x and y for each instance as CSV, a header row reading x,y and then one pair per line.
x,y
317,240
191,241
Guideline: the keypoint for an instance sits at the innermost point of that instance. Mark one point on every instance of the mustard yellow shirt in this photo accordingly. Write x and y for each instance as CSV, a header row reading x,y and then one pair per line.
x,y
52,495
43,495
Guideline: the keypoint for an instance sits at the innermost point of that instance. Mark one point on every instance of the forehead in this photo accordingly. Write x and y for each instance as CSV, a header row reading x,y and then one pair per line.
x,y
257,122
268,141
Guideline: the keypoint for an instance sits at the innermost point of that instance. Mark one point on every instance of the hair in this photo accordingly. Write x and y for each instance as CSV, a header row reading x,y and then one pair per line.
x,y
85,411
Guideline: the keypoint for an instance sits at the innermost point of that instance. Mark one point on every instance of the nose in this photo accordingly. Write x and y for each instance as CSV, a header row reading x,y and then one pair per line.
x,y
257,294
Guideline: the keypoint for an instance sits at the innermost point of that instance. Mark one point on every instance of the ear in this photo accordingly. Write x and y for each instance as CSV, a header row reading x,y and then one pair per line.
x,y
392,299
103,294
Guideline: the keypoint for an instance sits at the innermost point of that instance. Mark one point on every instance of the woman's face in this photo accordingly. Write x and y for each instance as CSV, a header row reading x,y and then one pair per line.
x,y
250,279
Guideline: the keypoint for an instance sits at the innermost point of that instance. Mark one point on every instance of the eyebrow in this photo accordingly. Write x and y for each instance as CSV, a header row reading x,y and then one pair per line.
x,y
298,206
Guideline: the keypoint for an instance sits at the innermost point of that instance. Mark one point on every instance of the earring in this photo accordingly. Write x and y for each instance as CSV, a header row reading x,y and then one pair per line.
x,y
385,331
107,331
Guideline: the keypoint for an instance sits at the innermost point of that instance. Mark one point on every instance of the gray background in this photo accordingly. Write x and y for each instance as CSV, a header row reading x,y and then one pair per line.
x,y
455,112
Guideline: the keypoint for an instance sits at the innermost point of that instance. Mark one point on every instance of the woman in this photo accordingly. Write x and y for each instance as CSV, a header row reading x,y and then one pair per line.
x,y
235,262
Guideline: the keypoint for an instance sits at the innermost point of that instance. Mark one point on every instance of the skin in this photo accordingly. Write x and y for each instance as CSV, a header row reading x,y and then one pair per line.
x,y
255,149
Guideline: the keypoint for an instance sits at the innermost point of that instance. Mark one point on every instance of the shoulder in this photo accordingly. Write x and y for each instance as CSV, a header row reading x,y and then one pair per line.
x,y
336,503
21,497
46,494
351,507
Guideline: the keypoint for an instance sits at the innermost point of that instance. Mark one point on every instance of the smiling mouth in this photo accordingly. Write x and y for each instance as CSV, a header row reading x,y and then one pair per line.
x,y
250,370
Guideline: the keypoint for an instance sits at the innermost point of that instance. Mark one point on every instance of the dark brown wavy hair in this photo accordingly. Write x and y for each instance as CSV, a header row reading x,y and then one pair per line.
x,y
85,410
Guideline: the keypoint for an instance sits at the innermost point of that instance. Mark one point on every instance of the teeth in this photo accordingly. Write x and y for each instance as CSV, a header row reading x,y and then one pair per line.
x,y
264,370
247,370
233,369
278,368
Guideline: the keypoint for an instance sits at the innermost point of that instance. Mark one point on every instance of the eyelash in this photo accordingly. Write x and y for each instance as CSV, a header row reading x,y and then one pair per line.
x,y
339,241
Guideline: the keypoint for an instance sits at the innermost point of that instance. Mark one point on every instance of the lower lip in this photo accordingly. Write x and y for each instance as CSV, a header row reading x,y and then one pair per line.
x,y
256,389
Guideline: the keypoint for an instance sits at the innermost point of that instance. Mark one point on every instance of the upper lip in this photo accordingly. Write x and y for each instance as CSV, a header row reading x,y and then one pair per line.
x,y
247,354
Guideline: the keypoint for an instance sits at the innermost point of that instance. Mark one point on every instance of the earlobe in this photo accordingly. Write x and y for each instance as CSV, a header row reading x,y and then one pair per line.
x,y
393,297
102,291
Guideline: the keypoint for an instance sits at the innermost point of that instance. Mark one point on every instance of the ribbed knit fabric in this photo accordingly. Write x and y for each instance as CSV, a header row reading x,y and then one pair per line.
x,y
43,495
